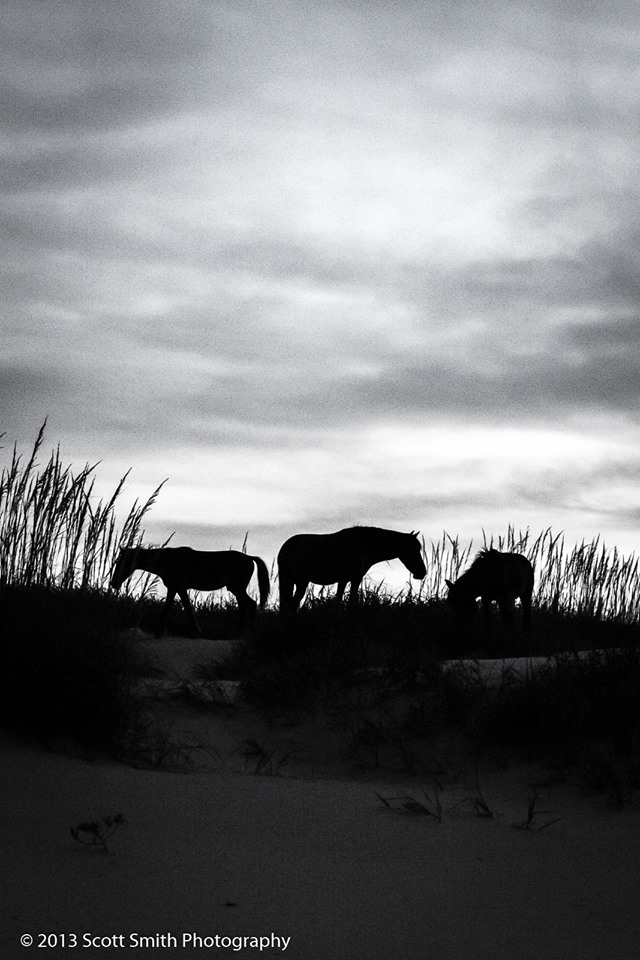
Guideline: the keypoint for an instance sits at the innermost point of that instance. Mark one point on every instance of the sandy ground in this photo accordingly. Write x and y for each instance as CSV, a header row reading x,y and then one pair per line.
x,y
309,860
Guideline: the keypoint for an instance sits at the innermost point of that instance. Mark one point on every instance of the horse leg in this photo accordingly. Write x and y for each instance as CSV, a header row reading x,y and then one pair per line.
x,y
246,608
526,613
161,629
354,592
342,585
186,603
286,587
505,604
506,610
298,597
486,614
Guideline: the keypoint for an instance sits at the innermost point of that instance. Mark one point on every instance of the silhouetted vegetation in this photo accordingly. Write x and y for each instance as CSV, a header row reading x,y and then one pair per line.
x,y
386,674
53,532
64,665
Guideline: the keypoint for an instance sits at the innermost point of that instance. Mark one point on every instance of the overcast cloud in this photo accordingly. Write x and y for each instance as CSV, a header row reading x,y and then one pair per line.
x,y
328,262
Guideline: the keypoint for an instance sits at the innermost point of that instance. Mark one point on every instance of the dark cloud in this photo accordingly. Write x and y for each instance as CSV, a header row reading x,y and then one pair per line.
x,y
65,163
530,392
91,67
26,395
601,495
614,337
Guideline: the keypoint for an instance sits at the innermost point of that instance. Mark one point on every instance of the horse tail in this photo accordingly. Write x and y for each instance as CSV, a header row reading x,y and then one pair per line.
x,y
529,579
263,579
285,584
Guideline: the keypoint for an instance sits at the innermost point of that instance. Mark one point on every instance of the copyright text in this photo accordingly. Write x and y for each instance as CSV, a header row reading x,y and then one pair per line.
x,y
154,941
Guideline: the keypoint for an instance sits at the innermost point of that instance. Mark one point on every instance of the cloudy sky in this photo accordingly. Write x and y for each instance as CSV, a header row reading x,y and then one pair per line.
x,y
325,262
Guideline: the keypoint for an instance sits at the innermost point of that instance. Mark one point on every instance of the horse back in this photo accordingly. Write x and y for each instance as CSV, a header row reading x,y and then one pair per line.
x,y
204,569
505,576
321,557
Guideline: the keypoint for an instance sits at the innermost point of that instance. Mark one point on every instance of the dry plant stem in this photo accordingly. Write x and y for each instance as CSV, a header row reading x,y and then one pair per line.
x,y
95,833
53,530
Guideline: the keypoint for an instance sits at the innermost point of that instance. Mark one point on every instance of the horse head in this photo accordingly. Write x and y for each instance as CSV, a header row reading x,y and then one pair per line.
x,y
123,567
413,559
461,599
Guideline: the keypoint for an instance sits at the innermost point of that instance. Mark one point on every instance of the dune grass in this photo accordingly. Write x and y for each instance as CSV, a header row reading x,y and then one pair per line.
x,y
585,580
63,663
53,531
375,672
378,673
64,666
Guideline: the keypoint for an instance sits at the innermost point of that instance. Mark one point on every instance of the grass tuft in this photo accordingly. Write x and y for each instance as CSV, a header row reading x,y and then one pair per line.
x,y
64,667
374,673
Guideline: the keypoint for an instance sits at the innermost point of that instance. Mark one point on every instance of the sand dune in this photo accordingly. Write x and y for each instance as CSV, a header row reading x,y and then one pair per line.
x,y
221,851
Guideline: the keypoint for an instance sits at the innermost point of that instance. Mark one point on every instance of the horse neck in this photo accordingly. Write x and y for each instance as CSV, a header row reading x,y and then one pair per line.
x,y
386,544
150,560
471,578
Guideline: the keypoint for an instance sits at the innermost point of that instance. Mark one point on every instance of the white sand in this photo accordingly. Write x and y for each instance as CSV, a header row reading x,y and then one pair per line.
x,y
219,851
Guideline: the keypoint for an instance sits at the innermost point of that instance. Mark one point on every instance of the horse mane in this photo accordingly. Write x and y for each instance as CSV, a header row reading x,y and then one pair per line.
x,y
485,555
360,527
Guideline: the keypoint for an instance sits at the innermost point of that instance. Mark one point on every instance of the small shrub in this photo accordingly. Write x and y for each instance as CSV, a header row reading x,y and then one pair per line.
x,y
532,821
264,760
64,668
427,807
95,833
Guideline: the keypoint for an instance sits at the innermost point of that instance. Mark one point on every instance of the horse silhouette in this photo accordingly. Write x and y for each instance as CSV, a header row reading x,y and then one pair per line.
x,y
343,557
494,576
182,569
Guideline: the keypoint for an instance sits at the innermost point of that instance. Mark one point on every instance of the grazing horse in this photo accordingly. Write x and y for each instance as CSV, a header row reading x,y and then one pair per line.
x,y
342,557
182,569
502,577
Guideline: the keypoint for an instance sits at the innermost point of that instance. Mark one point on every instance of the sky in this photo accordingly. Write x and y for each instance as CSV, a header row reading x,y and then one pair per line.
x,y
328,262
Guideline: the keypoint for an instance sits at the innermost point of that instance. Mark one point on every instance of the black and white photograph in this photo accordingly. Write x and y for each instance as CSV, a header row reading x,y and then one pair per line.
x,y
320,479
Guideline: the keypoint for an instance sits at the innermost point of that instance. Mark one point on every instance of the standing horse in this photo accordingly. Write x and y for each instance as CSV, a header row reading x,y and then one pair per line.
x,y
182,569
342,557
502,577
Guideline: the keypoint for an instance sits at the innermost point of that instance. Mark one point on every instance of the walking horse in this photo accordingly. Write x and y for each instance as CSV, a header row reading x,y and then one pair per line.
x,y
182,569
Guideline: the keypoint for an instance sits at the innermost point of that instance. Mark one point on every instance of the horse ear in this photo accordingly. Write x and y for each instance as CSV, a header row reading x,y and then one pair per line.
x,y
448,583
